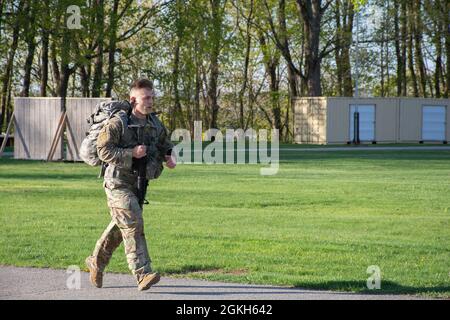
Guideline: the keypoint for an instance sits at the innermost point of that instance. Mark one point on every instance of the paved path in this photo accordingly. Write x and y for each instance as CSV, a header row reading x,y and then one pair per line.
x,y
49,284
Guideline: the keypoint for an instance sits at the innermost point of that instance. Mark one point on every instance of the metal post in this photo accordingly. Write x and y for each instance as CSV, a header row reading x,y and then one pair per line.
x,y
357,56
356,128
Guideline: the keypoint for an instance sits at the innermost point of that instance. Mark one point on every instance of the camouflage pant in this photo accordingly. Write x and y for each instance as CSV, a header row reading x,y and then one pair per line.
x,y
127,225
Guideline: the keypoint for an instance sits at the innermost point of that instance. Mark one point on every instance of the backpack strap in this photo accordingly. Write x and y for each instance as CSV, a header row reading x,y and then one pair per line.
x,y
154,117
124,116
125,119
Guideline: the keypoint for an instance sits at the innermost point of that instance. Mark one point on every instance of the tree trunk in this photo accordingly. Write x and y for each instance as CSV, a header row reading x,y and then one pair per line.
x,y
418,30
346,44
2,3
248,42
176,113
400,65
403,37
388,44
292,75
438,62
282,43
44,63
9,111
45,35
112,48
98,70
29,32
84,81
198,83
216,17
176,117
65,70
251,103
338,52
275,96
206,114
10,62
271,64
212,92
55,68
410,51
447,47
68,45
27,69
311,13
344,30
293,80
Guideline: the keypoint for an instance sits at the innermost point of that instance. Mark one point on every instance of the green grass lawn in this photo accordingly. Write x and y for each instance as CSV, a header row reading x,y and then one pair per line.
x,y
319,223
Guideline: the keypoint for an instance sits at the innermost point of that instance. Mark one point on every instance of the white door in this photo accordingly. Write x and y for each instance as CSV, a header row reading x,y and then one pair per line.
x,y
433,123
366,121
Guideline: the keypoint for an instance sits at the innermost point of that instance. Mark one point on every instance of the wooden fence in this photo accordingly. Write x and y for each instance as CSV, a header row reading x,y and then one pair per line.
x,y
43,132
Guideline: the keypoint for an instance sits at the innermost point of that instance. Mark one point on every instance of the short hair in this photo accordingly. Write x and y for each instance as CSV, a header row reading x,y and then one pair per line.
x,y
142,83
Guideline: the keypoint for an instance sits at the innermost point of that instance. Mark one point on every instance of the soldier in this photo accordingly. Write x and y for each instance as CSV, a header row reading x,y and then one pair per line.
x,y
118,147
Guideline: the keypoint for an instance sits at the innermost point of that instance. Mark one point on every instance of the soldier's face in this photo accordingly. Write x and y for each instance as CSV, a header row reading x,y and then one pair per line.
x,y
142,100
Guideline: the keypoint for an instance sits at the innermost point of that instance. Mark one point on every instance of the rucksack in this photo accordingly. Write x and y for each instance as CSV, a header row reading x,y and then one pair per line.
x,y
103,112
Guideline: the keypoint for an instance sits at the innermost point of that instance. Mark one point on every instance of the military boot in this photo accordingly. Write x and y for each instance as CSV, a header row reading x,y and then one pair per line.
x,y
147,280
95,276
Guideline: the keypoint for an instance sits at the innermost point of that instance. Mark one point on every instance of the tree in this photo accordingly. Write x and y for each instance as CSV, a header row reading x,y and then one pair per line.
x,y
248,42
99,10
344,15
447,44
312,12
45,35
416,7
19,13
217,8
112,47
29,34
400,45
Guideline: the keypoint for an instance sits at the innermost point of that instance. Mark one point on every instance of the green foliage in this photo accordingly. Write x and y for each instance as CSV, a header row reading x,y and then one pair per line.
x,y
149,31
359,4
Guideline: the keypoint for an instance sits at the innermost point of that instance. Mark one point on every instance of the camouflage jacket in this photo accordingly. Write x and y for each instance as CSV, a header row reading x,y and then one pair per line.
x,y
115,147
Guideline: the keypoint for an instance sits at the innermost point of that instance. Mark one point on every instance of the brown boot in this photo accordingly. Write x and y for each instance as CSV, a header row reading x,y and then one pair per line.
x,y
148,280
95,276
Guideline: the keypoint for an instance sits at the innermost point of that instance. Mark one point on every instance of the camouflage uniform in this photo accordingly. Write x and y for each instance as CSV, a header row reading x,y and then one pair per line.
x,y
114,147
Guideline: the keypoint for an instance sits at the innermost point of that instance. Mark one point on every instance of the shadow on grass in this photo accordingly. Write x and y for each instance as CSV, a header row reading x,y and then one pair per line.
x,y
387,287
186,269
355,287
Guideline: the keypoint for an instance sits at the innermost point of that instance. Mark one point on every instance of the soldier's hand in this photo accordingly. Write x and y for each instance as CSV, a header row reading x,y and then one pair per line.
x,y
139,151
171,162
